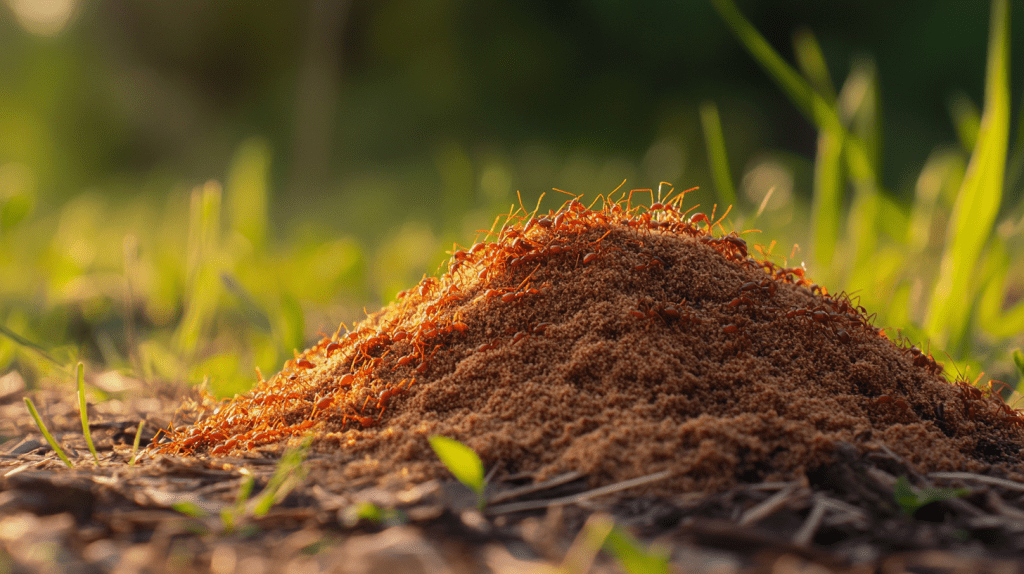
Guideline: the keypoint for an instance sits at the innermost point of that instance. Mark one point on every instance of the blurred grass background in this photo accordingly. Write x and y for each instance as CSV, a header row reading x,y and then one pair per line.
x,y
192,189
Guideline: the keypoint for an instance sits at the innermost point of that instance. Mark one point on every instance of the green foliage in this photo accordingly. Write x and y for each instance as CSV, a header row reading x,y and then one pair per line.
x,y
373,514
601,533
910,499
633,557
46,432
978,201
135,445
717,157
84,412
189,509
463,463
288,474
185,293
230,516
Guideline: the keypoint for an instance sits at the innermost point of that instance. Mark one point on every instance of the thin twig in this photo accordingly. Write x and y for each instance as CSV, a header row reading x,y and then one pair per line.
x,y
990,480
822,503
999,506
771,485
514,493
769,506
575,498
810,526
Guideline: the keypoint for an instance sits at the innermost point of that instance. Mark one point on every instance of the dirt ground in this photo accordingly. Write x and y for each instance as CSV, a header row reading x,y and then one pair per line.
x,y
113,518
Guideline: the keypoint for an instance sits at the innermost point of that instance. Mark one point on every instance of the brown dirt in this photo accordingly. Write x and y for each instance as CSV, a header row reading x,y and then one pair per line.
x,y
616,343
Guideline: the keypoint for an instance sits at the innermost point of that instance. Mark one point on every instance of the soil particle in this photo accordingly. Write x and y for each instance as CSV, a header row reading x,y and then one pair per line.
x,y
617,343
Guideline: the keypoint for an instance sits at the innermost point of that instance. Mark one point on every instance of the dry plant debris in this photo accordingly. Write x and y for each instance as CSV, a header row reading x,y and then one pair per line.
x,y
616,342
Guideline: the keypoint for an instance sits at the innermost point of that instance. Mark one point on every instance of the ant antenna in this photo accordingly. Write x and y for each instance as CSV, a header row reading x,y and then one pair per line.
x,y
659,189
536,209
617,188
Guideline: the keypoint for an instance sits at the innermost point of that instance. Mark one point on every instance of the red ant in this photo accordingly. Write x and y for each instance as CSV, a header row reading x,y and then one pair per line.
x,y
654,261
925,360
486,346
886,399
540,328
741,301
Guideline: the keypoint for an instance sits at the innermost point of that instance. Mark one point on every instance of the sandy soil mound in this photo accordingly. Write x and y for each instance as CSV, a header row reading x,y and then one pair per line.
x,y
617,343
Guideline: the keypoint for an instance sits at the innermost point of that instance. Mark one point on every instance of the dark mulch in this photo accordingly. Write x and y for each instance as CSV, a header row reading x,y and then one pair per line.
x,y
108,517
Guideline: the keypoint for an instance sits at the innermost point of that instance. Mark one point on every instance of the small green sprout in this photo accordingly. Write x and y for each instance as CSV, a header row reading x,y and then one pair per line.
x,y
46,433
135,446
635,559
462,462
912,499
287,475
190,509
601,533
229,516
372,513
85,413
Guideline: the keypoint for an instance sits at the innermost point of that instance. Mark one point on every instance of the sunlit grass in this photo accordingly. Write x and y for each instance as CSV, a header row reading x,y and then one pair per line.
x,y
46,432
84,412
135,445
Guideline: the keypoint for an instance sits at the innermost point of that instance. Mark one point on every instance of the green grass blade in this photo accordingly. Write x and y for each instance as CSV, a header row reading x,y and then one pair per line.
x,y
584,549
631,554
858,109
229,516
810,103
966,120
812,63
911,499
84,412
991,317
190,509
250,308
135,445
788,79
247,201
940,178
857,105
46,432
1015,169
286,476
717,157
978,200
203,284
245,489
43,352
463,463
826,205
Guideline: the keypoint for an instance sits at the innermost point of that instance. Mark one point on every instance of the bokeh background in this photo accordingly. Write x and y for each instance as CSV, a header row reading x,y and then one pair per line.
x,y
190,189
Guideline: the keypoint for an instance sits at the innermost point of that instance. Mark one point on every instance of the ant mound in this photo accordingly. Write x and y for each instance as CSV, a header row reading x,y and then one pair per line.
x,y
616,342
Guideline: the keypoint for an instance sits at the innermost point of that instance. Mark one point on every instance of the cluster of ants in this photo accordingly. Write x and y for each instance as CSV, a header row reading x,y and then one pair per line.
x,y
351,380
